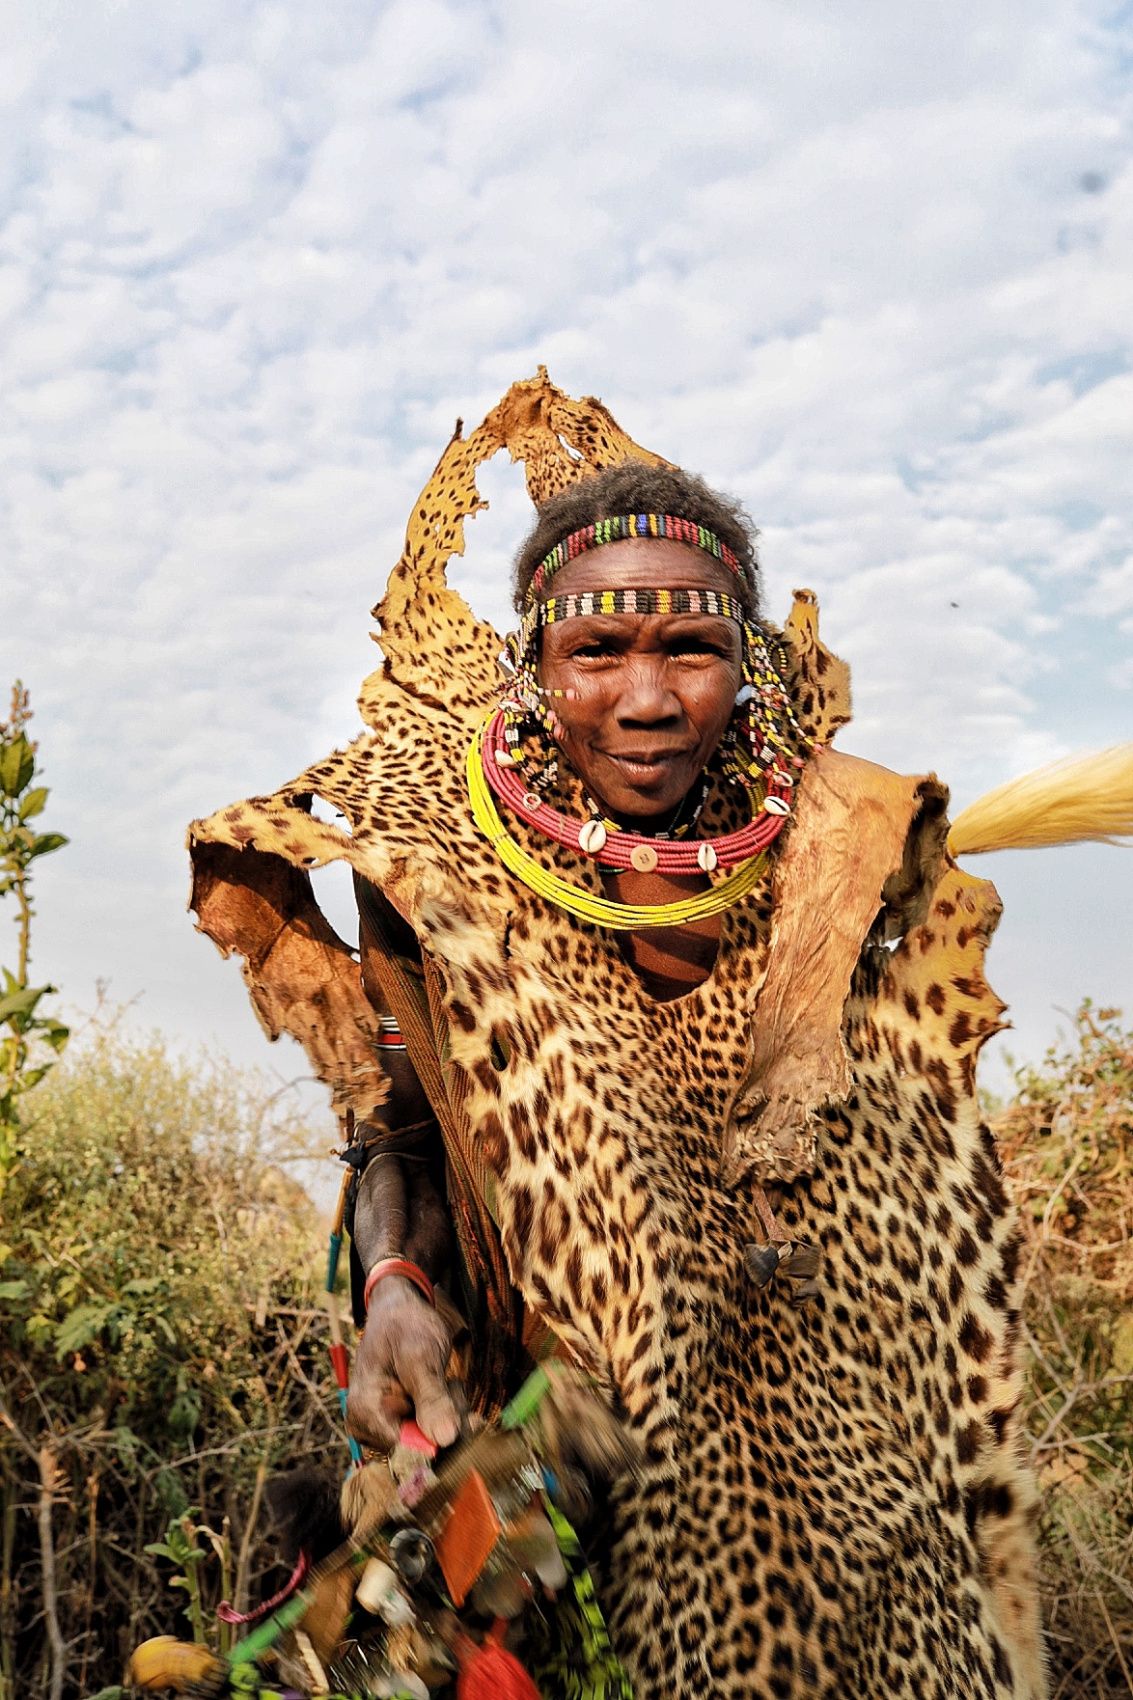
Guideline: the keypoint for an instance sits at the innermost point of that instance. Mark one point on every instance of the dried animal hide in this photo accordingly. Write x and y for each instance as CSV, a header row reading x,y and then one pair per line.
x,y
856,828
250,890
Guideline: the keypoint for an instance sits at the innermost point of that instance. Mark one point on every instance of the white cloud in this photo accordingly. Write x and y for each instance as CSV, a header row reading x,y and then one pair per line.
x,y
1113,590
256,258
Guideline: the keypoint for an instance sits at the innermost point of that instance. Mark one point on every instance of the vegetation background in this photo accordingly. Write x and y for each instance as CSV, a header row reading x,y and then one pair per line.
x,y
164,1350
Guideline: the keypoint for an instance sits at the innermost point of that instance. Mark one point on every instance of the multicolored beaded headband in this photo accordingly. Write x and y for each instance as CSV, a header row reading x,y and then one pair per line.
x,y
622,526
591,602
521,647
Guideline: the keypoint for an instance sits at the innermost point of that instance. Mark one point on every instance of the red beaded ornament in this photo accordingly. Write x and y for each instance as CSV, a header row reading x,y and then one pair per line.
x,y
612,847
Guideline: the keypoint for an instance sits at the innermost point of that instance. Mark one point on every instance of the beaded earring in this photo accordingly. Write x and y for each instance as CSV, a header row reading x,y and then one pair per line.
x,y
764,739
528,714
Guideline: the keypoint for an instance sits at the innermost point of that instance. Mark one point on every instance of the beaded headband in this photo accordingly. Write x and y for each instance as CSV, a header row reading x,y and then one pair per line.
x,y
622,526
589,602
521,646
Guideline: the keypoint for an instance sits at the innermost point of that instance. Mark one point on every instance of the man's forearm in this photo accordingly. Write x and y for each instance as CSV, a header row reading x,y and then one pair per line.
x,y
429,1239
381,1215
400,1213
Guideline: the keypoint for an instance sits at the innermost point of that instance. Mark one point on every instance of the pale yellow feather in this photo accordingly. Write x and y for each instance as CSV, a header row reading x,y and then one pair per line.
x,y
1068,802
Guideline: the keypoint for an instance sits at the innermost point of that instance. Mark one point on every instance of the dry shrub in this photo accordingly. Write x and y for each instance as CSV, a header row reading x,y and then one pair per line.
x,y
1067,1143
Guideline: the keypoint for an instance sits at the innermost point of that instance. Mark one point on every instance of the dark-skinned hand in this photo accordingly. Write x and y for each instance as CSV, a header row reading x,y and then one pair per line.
x,y
399,1370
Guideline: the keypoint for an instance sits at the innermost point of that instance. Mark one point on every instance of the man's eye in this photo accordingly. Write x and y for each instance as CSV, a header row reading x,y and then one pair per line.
x,y
696,646
595,650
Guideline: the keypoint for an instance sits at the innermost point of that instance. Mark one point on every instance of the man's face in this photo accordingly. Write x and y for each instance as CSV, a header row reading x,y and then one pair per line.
x,y
653,693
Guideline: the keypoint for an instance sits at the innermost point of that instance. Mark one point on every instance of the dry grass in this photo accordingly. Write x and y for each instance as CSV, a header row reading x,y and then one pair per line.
x,y
1067,1143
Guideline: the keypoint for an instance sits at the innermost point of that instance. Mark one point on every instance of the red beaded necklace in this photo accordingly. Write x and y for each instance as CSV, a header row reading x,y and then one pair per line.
x,y
612,847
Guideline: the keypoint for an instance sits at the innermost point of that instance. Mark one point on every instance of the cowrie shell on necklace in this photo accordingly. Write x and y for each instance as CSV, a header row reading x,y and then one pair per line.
x,y
505,758
707,859
591,837
776,806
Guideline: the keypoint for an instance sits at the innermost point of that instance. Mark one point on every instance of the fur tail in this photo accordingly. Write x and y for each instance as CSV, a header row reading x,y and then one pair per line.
x,y
1068,802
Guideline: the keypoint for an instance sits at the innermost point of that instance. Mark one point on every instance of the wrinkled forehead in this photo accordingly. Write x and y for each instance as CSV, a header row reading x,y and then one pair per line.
x,y
643,563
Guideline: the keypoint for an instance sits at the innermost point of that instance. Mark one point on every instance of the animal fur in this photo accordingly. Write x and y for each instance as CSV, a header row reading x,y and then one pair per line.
x,y
1084,799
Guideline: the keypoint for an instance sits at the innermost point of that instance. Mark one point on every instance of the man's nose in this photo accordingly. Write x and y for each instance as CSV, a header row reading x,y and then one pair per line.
x,y
646,695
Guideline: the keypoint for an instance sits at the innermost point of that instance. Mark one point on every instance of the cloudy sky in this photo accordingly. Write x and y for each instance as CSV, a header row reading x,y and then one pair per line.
x,y
867,267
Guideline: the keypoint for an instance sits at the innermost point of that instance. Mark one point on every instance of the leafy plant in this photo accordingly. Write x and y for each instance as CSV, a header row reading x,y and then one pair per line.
x,y
1067,1142
182,1547
31,1040
162,1338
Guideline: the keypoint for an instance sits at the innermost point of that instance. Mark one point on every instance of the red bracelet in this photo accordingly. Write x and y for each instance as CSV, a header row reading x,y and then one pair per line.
x,y
398,1266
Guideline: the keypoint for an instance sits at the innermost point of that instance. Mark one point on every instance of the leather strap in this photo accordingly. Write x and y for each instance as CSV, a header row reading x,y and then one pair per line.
x,y
412,996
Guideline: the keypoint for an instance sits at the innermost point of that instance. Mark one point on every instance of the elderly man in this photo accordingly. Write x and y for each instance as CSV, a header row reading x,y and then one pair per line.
x,y
654,1082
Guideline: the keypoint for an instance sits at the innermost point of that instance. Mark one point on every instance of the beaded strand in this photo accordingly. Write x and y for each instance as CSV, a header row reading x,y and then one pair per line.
x,y
597,602
615,847
585,905
619,528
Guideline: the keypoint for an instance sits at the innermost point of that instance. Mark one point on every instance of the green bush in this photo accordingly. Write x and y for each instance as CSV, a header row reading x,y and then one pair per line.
x,y
29,1039
163,1348
1067,1141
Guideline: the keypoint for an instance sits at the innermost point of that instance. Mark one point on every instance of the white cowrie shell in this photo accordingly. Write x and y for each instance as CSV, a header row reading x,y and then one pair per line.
x,y
776,806
504,758
707,858
591,837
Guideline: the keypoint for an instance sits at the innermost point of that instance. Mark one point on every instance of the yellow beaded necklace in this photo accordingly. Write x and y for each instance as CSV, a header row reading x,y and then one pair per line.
x,y
600,911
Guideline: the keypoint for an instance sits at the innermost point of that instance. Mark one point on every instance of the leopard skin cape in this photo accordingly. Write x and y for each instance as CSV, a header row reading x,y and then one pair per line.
x,y
832,1498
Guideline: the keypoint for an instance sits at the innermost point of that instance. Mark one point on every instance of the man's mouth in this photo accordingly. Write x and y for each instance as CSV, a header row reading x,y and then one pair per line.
x,y
644,765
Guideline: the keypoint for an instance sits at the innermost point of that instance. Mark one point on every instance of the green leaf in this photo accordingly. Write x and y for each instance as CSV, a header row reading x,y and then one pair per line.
x,y
17,764
184,1413
126,1444
23,1001
81,1326
171,1493
46,843
53,1033
13,1289
1123,1346
34,803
